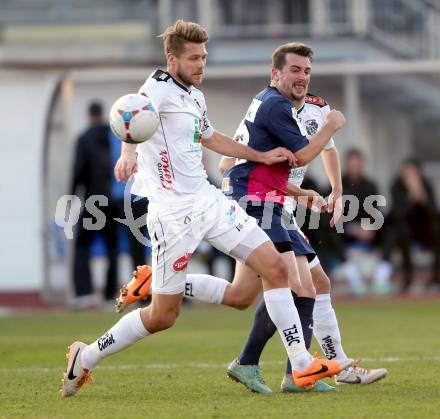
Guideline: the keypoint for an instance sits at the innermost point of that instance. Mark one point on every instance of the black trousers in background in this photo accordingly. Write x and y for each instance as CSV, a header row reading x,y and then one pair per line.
x,y
139,208
82,278
421,226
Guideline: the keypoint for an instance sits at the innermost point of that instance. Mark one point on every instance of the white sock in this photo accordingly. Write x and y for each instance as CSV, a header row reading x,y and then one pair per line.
x,y
206,288
282,311
326,329
123,334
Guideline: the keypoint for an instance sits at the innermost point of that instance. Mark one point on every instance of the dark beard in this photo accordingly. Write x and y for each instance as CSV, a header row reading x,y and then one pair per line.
x,y
298,98
184,79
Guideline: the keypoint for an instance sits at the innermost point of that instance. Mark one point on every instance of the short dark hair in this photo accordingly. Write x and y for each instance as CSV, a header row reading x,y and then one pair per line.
x,y
354,152
175,36
95,109
413,161
279,55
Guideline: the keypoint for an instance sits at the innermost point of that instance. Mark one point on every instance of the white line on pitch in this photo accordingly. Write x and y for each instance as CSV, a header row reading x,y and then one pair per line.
x,y
205,365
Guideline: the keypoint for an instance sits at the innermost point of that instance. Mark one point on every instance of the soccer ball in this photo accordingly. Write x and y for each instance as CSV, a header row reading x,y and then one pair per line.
x,y
133,118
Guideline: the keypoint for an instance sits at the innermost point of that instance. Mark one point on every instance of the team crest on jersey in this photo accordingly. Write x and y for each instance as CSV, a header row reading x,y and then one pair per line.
x,y
311,126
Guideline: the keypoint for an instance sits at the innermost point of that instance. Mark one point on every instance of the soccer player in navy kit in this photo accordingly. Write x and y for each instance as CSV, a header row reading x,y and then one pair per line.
x,y
312,111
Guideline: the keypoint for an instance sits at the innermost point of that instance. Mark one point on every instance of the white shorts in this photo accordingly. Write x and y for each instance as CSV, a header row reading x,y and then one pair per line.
x,y
176,232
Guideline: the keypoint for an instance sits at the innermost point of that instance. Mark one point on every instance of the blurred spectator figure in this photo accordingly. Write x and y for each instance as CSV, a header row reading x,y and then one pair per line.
x,y
362,253
97,151
414,220
328,244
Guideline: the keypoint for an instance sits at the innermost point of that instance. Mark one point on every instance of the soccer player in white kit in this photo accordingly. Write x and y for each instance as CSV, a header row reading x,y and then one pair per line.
x,y
185,208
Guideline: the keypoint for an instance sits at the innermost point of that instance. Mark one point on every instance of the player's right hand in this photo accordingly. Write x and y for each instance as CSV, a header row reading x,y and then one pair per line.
x,y
278,155
125,166
335,119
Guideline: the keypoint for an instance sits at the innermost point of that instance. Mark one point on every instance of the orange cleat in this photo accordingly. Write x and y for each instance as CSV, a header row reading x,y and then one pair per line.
x,y
137,289
318,369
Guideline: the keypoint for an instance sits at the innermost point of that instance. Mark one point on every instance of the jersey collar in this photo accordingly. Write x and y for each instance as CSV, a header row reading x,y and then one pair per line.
x,y
300,109
182,86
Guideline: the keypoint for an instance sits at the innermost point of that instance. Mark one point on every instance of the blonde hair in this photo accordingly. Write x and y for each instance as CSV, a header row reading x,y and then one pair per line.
x,y
175,36
279,55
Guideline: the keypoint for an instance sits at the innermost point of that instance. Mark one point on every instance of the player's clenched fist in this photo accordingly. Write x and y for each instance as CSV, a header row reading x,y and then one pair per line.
x,y
335,119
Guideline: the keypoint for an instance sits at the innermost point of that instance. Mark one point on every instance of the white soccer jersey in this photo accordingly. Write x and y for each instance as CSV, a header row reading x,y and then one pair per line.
x,y
311,116
170,168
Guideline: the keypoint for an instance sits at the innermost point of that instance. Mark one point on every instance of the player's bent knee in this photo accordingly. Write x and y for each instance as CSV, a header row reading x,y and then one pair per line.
x,y
322,282
156,324
242,302
277,273
161,320
306,291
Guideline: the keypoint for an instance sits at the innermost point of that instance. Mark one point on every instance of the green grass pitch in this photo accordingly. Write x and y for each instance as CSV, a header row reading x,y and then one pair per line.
x,y
180,373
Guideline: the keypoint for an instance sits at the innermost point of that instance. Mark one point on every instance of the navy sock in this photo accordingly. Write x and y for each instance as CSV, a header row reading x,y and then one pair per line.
x,y
262,330
304,305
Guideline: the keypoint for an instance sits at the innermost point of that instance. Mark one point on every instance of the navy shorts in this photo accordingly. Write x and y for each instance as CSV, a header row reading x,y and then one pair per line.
x,y
281,230
271,222
300,242
301,245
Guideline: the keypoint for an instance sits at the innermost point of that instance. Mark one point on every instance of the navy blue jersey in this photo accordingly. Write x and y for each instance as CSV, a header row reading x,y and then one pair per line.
x,y
270,122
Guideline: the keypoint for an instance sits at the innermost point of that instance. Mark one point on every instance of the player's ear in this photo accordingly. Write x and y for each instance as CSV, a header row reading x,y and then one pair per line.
x,y
171,58
275,74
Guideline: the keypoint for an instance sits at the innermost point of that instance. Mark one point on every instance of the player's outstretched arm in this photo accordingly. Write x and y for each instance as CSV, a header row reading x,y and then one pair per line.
x,y
127,162
222,144
332,165
334,121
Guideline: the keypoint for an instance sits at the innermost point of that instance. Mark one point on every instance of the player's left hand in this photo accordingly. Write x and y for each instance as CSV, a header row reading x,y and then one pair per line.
x,y
334,205
318,203
125,167
278,155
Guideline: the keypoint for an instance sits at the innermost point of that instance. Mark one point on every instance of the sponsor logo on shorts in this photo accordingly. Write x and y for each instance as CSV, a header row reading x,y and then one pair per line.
x,y
163,169
106,341
240,226
328,347
291,335
181,263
